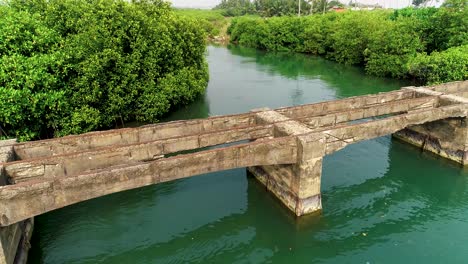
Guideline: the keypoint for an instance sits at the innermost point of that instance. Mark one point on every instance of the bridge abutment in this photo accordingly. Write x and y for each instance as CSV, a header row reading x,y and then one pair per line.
x,y
297,185
447,138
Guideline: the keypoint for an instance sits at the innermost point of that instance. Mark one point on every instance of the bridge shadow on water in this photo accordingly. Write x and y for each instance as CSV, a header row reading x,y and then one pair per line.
x,y
372,204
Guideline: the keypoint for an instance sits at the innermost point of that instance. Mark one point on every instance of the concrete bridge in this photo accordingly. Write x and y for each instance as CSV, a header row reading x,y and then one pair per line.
x,y
283,148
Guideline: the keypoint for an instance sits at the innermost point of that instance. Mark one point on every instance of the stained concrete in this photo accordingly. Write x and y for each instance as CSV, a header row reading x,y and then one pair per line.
x,y
30,198
285,153
14,239
296,185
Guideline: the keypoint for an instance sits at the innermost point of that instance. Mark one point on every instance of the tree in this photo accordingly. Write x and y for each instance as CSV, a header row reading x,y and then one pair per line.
x,y
270,8
236,7
455,4
68,67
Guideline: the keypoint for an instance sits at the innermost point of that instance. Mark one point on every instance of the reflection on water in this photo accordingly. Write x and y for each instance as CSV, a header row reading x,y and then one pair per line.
x,y
384,201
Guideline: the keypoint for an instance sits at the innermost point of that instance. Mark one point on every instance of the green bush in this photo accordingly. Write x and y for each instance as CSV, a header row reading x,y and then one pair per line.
x,y
440,67
383,42
391,47
351,34
75,66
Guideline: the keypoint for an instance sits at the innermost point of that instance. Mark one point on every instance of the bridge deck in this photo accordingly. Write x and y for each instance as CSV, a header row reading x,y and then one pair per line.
x,y
58,172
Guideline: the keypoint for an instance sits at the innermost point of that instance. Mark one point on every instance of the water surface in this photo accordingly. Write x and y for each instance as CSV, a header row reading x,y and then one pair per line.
x,y
383,201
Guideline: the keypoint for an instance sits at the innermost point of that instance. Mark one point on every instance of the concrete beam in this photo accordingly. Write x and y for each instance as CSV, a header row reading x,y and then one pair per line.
x,y
393,107
35,197
78,143
340,137
78,162
346,104
449,88
125,136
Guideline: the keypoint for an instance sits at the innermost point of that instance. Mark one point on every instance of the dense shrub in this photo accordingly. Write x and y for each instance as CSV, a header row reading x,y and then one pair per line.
x,y
350,35
439,67
74,66
232,8
386,43
390,48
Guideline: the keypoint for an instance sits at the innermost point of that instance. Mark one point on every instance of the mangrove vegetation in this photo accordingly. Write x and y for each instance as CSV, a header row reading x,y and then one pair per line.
x,y
69,67
426,44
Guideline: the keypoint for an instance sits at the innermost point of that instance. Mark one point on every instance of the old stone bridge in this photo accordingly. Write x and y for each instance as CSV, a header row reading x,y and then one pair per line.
x,y
283,148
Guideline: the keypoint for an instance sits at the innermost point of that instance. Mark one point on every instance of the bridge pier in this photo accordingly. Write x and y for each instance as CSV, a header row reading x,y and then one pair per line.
x,y
447,138
297,185
14,239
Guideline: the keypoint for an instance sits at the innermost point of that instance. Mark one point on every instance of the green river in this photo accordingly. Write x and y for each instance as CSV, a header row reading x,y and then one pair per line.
x,y
383,201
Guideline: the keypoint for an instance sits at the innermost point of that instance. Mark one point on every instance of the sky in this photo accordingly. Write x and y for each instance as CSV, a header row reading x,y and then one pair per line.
x,y
212,3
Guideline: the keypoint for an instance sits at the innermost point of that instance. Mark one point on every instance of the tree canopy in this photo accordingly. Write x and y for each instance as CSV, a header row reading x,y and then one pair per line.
x,y
71,66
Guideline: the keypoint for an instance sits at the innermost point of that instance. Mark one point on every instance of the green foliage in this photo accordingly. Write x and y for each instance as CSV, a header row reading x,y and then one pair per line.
x,y
390,48
440,67
249,32
386,43
211,21
351,34
236,7
438,28
69,67
269,8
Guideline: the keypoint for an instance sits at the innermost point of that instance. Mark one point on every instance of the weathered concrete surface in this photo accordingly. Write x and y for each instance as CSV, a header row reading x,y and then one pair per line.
x,y
444,99
449,88
126,136
286,155
35,197
77,162
346,104
340,137
27,227
447,138
297,185
392,107
14,239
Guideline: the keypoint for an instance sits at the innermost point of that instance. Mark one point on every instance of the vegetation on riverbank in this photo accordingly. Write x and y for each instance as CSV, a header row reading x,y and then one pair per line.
x,y
269,8
428,44
69,67
213,22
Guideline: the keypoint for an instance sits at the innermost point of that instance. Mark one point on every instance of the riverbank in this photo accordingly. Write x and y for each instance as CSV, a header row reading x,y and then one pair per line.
x,y
213,22
426,44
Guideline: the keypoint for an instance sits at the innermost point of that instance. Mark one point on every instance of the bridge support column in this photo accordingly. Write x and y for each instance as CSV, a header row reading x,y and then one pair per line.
x,y
447,138
297,186
14,239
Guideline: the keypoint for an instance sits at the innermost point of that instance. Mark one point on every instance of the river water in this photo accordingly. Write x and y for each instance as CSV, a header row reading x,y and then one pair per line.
x,y
383,201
